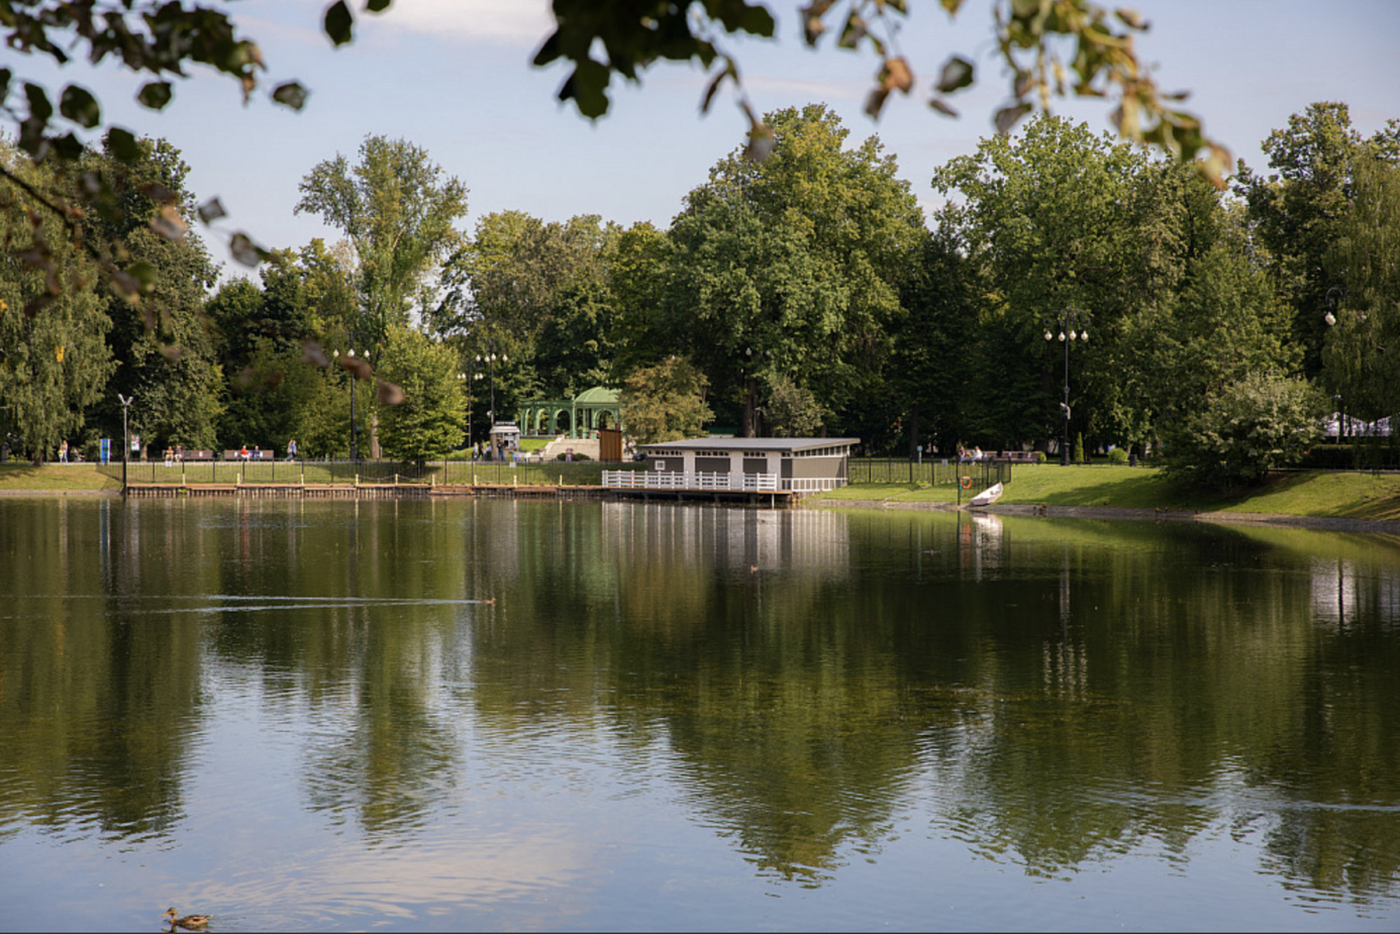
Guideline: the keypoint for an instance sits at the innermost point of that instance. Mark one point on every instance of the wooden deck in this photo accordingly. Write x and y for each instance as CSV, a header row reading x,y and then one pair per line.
x,y
771,499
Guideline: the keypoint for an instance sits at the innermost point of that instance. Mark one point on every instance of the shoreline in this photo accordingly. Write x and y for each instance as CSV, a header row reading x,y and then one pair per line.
x,y
98,493
1101,513
1115,513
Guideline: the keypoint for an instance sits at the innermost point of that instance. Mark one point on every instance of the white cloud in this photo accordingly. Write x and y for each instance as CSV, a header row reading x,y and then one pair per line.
x,y
518,22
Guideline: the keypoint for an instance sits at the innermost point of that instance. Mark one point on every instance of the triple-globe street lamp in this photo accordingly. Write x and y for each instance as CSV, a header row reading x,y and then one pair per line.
x,y
467,380
354,450
126,438
490,360
1063,324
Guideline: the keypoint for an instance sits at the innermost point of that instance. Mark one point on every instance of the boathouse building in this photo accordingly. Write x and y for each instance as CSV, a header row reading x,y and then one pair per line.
x,y
801,465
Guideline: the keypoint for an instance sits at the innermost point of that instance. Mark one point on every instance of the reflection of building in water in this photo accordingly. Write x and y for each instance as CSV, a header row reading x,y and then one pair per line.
x,y
1341,596
736,539
980,544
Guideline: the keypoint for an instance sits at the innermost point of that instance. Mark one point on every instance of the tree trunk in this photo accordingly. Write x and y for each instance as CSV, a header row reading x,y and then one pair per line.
x,y
746,420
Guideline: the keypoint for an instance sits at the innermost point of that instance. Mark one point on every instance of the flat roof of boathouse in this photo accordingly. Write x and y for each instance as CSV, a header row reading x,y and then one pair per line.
x,y
811,447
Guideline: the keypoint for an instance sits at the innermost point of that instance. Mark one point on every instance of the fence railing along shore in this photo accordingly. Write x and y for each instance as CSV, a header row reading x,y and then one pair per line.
x,y
504,473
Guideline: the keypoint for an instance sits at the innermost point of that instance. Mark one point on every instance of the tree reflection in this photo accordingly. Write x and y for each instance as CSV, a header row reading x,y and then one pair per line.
x,y
99,686
1053,694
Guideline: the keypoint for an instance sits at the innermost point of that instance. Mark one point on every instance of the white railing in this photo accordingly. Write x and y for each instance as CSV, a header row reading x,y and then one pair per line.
x,y
703,480
699,480
814,484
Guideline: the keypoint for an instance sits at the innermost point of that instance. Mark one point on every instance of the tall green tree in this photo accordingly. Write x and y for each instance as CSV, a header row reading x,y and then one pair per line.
x,y
933,358
1046,218
665,402
790,268
55,363
1297,210
1361,352
1222,324
430,419
165,351
398,209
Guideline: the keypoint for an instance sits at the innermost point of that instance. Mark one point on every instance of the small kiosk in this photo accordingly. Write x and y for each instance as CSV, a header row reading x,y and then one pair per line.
x,y
505,436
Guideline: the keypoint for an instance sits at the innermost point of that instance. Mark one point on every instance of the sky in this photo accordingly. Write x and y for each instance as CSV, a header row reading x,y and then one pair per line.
x,y
454,77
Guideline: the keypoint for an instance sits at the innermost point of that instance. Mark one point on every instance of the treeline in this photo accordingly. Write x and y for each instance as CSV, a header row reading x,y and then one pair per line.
x,y
802,294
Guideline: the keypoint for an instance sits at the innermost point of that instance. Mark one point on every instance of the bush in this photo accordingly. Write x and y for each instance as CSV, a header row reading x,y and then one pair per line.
x,y
1245,429
564,456
1118,456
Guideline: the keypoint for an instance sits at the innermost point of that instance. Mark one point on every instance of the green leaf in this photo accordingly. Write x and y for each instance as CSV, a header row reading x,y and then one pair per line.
x,y
291,94
155,95
123,144
79,106
377,6
1131,18
212,210
587,86
39,106
957,74
245,251
1008,117
68,147
339,22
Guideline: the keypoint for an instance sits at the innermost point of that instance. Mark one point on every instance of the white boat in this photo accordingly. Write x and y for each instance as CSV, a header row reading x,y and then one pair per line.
x,y
988,496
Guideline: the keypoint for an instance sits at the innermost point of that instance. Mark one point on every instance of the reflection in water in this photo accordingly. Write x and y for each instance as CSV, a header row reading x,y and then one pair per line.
x,y
387,710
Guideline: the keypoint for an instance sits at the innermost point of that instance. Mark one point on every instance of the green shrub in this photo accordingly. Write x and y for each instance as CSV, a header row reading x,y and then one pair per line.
x,y
564,456
1118,456
1245,429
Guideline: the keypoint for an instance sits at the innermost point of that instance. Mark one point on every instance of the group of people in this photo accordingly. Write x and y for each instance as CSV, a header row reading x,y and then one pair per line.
x,y
970,455
69,454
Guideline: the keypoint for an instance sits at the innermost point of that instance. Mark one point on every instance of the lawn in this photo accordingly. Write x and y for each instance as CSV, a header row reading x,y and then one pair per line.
x,y
1303,493
51,478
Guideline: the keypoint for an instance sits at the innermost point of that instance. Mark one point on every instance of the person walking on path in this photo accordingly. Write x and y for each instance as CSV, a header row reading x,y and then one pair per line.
x,y
63,452
292,449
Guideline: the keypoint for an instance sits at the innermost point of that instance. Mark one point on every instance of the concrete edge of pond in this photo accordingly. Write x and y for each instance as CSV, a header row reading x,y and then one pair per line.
x,y
1327,523
50,493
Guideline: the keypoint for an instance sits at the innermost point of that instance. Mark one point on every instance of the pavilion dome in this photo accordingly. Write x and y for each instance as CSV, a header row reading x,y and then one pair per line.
x,y
597,394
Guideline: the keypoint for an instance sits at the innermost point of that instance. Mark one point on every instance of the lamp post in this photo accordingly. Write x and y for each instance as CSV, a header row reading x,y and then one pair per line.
x,y
490,360
354,451
126,439
1334,295
1063,325
467,379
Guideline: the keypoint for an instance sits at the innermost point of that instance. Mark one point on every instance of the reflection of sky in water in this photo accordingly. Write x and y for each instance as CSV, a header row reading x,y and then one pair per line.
x,y
953,757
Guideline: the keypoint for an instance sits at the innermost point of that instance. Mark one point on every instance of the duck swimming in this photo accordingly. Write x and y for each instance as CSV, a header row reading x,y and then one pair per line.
x,y
188,922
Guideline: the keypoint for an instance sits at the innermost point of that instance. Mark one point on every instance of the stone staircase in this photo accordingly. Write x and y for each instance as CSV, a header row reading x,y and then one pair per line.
x,y
587,446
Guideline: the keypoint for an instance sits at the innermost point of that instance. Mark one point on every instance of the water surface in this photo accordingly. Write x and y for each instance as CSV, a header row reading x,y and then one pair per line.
x,y
448,715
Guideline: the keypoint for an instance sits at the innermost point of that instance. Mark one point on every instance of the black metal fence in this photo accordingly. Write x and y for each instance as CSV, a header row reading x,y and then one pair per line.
x,y
931,472
584,473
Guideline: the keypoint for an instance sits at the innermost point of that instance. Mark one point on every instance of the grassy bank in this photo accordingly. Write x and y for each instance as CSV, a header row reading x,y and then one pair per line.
x,y
1311,493
1308,493
55,478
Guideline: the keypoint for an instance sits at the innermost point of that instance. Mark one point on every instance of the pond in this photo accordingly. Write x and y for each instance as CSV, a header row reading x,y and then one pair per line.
x,y
460,714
